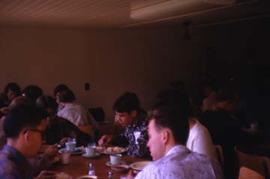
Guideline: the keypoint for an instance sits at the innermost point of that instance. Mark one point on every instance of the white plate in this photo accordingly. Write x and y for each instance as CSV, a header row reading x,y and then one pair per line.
x,y
110,150
139,165
91,156
77,151
87,176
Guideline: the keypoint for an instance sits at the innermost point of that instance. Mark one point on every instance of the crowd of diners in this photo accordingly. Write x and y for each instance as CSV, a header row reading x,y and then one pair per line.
x,y
176,134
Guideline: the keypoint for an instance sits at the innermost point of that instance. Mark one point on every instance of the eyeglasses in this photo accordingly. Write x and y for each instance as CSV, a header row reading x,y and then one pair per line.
x,y
36,130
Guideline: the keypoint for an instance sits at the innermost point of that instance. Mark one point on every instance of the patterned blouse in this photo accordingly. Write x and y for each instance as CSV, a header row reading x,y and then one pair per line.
x,y
135,137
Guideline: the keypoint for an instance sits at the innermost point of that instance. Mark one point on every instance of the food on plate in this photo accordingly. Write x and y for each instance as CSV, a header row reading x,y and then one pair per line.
x,y
110,150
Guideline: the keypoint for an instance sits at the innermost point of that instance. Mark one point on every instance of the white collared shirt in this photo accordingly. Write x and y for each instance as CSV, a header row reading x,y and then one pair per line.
x,y
75,113
180,163
200,141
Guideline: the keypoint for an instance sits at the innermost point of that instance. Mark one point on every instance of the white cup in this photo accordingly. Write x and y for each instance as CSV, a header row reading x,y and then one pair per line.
x,y
65,157
70,146
115,159
89,151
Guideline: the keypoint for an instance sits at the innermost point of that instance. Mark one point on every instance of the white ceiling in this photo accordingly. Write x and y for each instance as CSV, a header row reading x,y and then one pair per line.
x,y
120,13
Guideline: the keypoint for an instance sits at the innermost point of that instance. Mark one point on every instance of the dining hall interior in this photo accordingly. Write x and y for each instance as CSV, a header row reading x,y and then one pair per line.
x,y
103,50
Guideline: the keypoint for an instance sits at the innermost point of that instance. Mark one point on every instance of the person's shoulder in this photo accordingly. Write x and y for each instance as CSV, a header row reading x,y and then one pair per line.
x,y
7,166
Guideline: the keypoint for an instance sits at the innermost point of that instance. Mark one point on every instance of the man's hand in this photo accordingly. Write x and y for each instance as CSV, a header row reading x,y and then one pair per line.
x,y
105,140
4,110
130,175
51,151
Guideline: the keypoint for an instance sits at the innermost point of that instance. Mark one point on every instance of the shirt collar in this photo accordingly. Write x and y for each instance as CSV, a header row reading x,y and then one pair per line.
x,y
177,148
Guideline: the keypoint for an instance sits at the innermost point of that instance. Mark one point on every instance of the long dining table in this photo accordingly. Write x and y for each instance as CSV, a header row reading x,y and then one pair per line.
x,y
78,166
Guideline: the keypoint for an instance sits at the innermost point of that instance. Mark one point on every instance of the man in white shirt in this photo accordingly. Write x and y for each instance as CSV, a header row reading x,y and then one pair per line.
x,y
199,139
75,113
168,132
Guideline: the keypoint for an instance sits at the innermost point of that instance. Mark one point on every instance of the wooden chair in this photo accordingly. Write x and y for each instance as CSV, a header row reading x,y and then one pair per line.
x,y
219,154
97,113
246,173
258,164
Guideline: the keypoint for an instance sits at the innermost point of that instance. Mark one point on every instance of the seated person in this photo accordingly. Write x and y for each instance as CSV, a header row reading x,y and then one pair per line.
x,y
168,132
11,91
32,92
59,88
210,89
23,129
59,128
224,127
130,117
73,112
199,139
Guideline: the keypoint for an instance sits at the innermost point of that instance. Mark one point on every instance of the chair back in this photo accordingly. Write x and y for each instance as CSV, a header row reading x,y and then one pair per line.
x,y
247,173
259,164
219,154
97,113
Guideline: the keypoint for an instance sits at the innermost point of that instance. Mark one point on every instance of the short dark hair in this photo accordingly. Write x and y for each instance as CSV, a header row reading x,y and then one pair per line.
x,y
127,102
59,88
32,92
14,87
46,102
21,117
166,116
66,96
226,94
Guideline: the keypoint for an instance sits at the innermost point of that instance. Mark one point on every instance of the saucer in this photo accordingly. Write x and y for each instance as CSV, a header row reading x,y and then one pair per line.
x,y
77,151
108,163
91,156
120,167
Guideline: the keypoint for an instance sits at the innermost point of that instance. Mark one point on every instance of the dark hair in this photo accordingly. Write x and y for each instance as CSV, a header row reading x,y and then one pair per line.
x,y
32,92
21,100
212,84
173,118
59,88
127,102
174,97
14,87
21,117
226,94
66,96
46,102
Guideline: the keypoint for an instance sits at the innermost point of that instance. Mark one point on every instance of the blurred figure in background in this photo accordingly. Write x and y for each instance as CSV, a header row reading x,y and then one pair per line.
x,y
32,92
210,89
75,113
224,127
59,128
11,91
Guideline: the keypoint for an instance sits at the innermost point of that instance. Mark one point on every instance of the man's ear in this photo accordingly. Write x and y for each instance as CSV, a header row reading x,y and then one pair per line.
x,y
133,113
165,135
26,136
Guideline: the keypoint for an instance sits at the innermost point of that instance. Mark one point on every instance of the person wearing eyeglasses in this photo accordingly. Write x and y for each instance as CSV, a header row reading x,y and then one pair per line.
x,y
23,129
